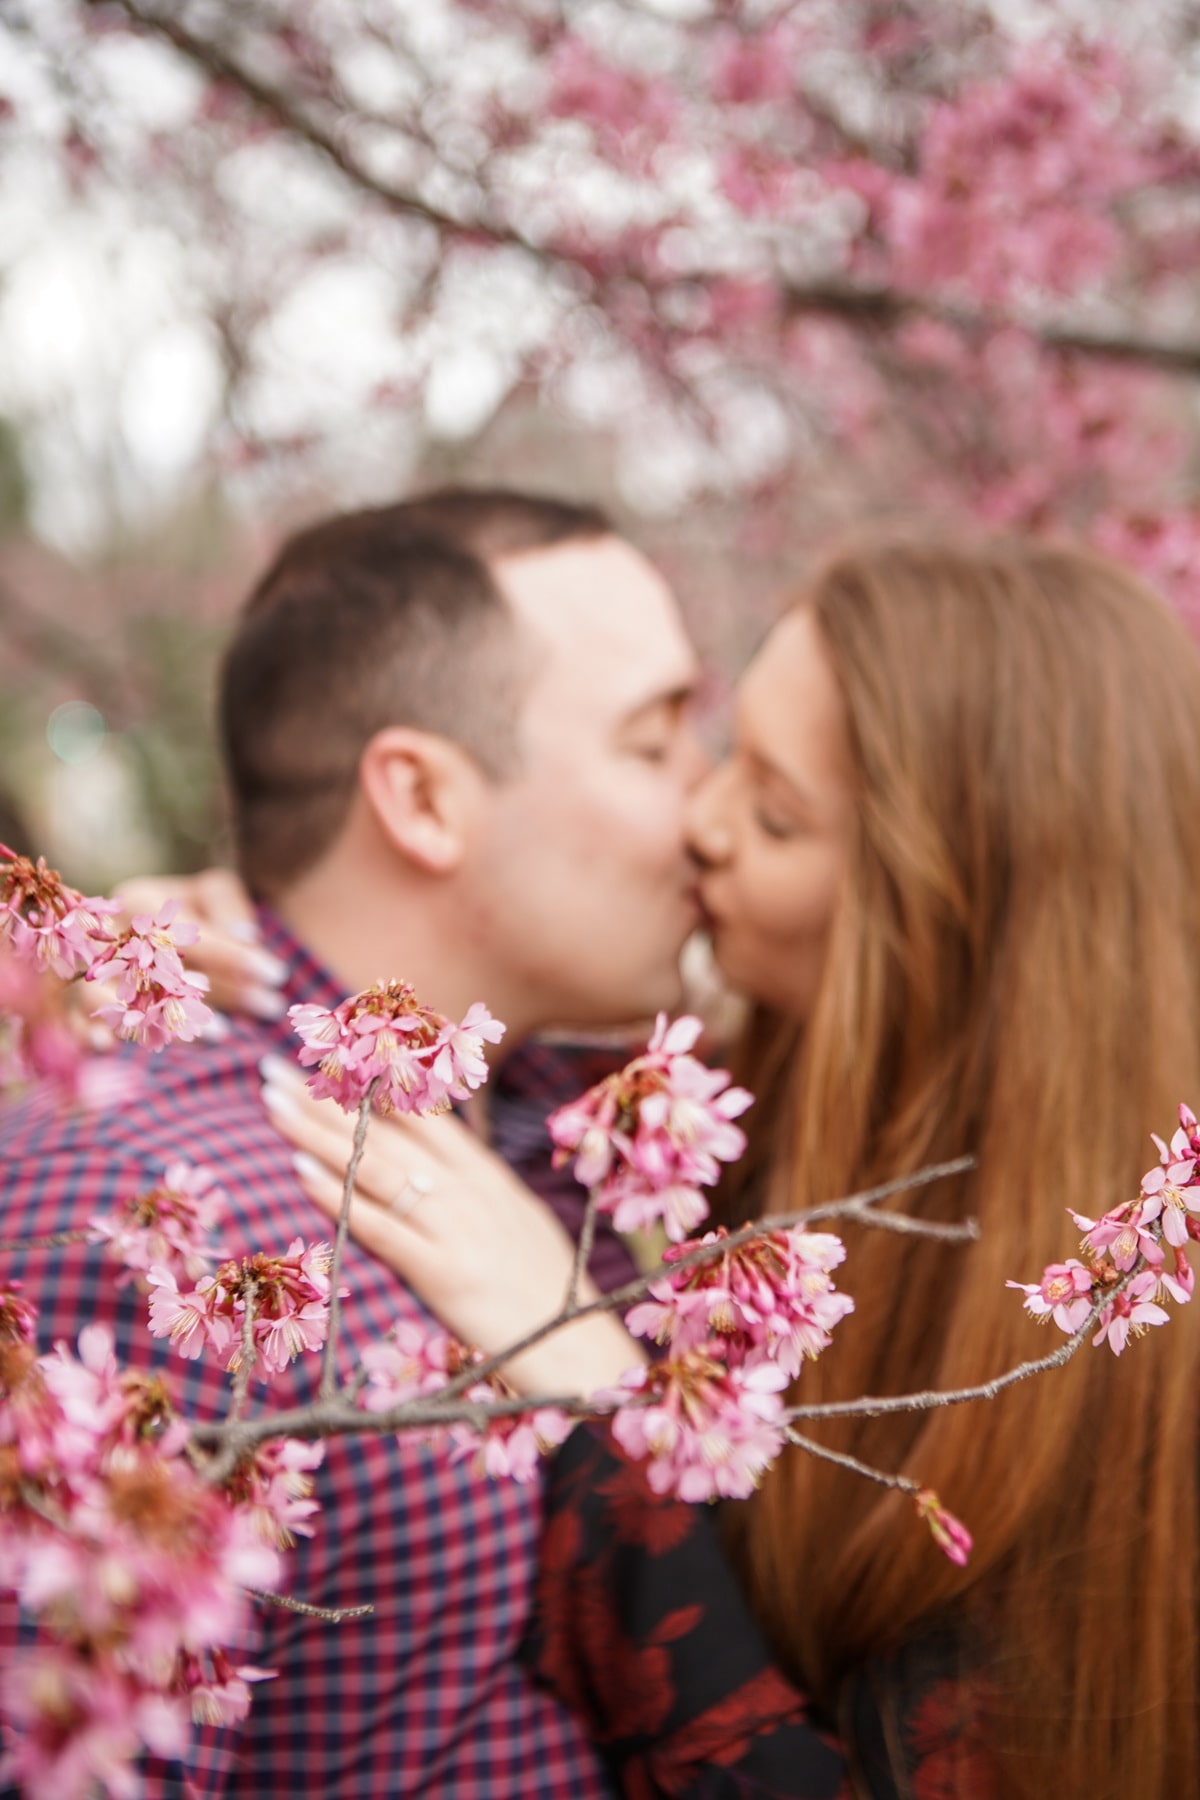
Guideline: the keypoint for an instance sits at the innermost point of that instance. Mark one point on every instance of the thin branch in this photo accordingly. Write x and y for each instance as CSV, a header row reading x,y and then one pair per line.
x,y
334,1416
248,1357
329,1363
859,1208
583,1252
902,1482
282,109
873,1407
889,307
337,1417
332,1615
53,1240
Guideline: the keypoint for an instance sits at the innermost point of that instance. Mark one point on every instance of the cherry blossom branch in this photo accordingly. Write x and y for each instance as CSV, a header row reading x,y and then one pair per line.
x,y
889,307
271,100
583,1252
857,1207
884,307
245,1368
51,1240
333,1415
336,1417
329,1362
330,1615
872,1407
903,1483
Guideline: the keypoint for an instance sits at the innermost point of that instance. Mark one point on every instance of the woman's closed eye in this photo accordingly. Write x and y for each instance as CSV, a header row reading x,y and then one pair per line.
x,y
775,823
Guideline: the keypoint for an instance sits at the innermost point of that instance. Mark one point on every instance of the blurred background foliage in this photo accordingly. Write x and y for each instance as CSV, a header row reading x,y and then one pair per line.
x,y
747,272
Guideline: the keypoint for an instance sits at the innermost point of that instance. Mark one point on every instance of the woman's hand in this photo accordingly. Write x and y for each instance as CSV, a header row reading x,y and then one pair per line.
x,y
483,1252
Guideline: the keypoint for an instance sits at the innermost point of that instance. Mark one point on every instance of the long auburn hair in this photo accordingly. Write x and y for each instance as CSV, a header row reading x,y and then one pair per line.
x,y
1013,972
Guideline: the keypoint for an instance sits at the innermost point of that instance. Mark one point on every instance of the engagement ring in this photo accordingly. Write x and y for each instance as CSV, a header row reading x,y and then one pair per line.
x,y
415,1188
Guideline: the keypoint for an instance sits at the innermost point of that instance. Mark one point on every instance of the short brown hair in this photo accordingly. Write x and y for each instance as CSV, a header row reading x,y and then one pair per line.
x,y
381,617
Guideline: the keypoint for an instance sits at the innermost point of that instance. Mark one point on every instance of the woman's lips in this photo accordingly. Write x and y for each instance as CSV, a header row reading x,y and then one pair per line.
x,y
708,918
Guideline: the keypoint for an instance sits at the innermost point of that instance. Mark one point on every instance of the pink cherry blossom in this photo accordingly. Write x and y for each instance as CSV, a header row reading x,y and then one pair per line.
x,y
195,1319
509,1447
1179,1281
1063,1294
157,999
1125,1234
155,1023
409,1362
705,1431
1131,1313
949,1534
384,1042
47,923
168,1226
414,1363
82,1724
18,1317
290,1301
272,1487
770,1299
1172,1188
222,1697
647,1139
459,1062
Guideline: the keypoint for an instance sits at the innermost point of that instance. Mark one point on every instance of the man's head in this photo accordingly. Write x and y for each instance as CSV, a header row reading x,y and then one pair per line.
x,y
465,716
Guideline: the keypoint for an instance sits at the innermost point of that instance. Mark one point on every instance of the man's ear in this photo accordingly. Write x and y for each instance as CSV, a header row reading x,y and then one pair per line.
x,y
420,789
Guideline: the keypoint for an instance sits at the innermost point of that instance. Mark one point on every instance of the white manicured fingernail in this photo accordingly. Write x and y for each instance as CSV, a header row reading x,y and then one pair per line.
x,y
264,1003
248,930
308,1168
276,1101
267,969
217,1028
279,1070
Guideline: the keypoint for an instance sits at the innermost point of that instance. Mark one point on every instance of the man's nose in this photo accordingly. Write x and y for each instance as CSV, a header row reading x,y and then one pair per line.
x,y
699,763
709,836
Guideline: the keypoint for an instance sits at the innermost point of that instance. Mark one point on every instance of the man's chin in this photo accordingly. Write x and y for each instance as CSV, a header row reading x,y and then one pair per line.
x,y
625,1016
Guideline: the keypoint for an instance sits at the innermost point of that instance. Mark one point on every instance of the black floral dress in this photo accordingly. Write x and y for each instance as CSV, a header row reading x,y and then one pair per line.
x,y
642,1630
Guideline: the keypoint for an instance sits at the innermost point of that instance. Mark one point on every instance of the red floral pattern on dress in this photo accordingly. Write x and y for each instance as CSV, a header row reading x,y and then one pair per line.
x,y
949,1758
642,1631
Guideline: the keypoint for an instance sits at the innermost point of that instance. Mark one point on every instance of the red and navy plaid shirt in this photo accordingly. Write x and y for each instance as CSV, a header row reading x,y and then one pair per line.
x,y
426,1695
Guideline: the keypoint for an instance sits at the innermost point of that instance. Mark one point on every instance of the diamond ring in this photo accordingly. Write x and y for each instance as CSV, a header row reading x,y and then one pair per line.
x,y
415,1188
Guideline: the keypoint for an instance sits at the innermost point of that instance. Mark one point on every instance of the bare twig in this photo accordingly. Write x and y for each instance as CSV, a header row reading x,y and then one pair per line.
x,y
887,308
273,101
332,1615
875,1407
583,1252
902,1482
248,1357
329,1363
53,1240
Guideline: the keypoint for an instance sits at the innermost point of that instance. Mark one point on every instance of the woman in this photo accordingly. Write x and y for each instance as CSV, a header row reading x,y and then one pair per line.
x,y
953,863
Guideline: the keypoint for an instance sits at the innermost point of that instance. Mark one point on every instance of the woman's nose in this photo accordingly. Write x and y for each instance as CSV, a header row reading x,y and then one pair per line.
x,y
710,837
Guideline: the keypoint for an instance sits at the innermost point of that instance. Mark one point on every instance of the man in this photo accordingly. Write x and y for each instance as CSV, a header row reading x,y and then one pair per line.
x,y
458,748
